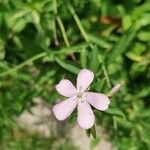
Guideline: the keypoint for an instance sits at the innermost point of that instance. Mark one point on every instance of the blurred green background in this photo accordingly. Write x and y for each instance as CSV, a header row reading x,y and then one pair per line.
x,y
43,41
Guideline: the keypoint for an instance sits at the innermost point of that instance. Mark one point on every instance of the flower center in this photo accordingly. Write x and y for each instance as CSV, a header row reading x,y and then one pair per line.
x,y
79,95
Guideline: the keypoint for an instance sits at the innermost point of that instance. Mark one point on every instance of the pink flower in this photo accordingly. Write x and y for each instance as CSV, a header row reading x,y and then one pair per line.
x,y
82,99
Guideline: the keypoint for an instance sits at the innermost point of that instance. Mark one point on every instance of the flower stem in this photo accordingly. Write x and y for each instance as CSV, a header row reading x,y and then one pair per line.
x,y
30,60
106,75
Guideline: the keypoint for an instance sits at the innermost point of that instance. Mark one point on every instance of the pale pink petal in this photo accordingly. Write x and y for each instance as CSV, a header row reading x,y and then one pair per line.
x,y
86,118
84,79
66,88
63,109
98,100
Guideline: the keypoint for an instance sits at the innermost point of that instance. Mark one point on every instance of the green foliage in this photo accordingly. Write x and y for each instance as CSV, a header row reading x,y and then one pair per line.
x,y
115,111
95,141
41,41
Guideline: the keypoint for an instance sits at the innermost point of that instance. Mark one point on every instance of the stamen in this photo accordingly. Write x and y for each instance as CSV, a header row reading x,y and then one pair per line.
x,y
79,95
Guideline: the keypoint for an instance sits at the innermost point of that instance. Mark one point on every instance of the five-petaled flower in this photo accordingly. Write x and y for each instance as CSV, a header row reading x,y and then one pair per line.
x,y
81,98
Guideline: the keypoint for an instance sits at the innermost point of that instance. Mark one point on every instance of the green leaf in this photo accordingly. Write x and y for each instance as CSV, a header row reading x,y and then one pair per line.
x,y
68,66
2,50
144,114
122,45
83,57
35,18
93,132
100,84
126,22
88,132
72,49
115,111
19,25
139,11
17,42
144,36
136,52
73,117
94,63
139,48
99,41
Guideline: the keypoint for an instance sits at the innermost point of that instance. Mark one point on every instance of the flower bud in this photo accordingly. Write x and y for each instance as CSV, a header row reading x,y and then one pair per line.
x,y
114,90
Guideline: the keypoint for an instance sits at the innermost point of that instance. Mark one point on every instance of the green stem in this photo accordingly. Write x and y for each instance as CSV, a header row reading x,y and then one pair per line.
x,y
63,31
54,23
105,71
54,32
115,129
55,6
23,64
67,50
106,75
78,22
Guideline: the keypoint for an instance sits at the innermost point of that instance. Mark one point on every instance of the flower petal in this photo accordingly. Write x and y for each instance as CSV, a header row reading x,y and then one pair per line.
x,y
86,118
98,100
84,79
63,109
65,88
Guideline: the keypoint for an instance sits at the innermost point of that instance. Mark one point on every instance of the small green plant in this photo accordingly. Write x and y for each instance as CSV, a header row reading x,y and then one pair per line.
x,y
43,41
